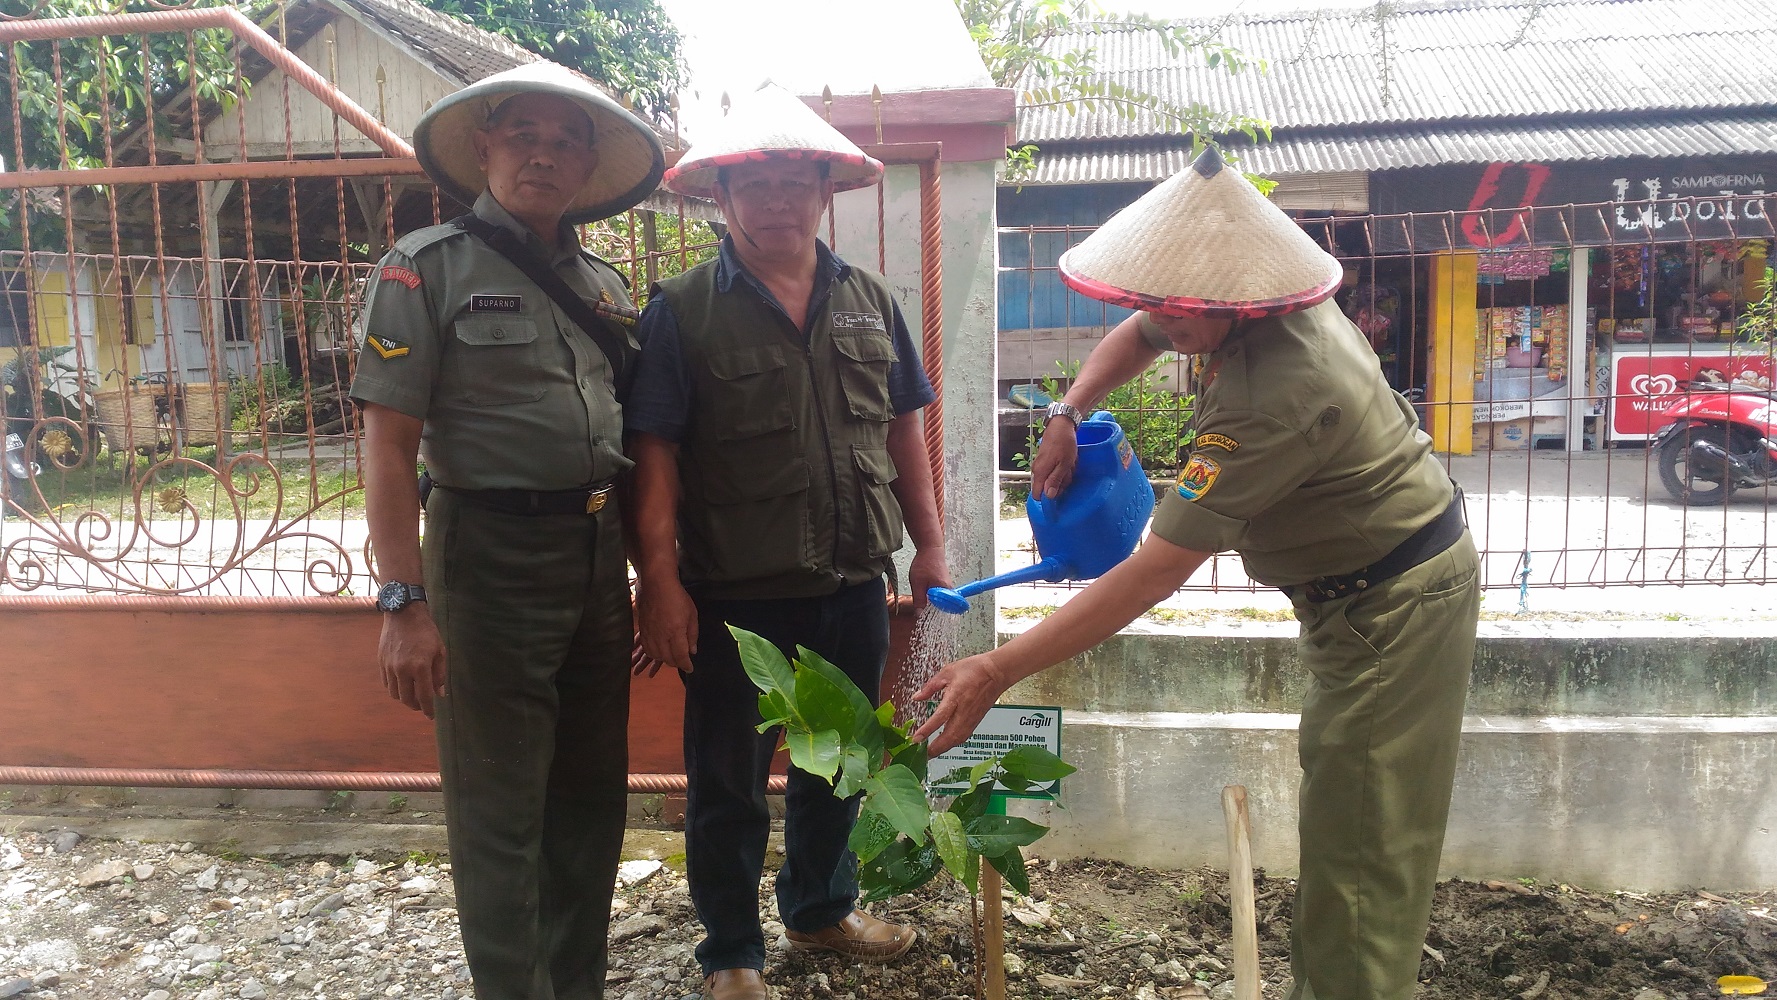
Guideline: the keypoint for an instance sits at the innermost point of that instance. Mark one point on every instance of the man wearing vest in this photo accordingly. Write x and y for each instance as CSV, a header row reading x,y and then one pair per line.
x,y
519,641
776,433
1308,465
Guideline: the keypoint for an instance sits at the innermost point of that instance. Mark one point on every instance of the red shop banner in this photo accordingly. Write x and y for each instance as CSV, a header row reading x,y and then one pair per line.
x,y
1644,384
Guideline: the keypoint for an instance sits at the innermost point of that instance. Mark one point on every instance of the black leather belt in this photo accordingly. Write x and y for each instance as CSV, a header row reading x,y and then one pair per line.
x,y
1434,538
529,503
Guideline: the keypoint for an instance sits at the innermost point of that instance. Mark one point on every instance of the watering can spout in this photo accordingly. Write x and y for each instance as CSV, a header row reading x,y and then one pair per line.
x,y
957,601
1092,526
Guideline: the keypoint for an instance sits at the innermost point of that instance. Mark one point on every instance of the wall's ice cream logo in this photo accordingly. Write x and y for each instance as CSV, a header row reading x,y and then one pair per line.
x,y
1653,385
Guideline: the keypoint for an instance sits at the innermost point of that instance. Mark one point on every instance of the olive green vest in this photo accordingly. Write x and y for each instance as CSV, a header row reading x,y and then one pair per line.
x,y
784,468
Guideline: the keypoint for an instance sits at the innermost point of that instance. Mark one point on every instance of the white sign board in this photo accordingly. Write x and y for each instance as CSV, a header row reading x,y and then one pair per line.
x,y
1005,728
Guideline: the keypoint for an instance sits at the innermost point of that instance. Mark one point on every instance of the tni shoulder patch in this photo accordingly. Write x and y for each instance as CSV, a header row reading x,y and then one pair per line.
x,y
1198,475
386,348
394,272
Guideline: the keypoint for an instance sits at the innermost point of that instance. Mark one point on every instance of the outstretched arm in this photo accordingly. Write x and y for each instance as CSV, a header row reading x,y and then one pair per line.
x,y
969,687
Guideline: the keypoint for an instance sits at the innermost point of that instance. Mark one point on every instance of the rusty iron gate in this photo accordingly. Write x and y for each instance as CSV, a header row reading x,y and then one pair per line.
x,y
1540,362
189,213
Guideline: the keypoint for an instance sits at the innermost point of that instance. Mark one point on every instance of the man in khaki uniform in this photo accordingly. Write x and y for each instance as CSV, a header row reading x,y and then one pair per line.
x,y
519,641
1308,465
776,431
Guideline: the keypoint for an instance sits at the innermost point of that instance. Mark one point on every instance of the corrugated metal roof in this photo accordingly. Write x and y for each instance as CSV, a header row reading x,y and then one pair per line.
x,y
1393,148
1466,59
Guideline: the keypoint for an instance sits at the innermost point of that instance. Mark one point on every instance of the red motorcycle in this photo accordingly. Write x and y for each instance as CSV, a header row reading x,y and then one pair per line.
x,y
1719,438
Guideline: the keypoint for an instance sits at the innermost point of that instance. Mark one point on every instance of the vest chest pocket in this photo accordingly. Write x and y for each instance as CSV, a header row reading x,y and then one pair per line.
x,y
863,373
749,395
496,360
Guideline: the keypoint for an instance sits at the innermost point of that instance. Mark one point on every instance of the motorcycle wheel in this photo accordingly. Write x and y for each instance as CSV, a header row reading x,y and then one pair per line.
x,y
1689,482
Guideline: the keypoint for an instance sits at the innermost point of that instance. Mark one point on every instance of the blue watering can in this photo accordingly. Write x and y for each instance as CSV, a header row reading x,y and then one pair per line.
x,y
1093,525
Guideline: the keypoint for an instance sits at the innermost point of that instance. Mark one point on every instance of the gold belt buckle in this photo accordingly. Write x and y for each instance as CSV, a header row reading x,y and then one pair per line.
x,y
595,502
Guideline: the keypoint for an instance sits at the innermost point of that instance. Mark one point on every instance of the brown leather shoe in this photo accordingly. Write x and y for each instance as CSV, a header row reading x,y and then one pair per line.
x,y
860,936
736,984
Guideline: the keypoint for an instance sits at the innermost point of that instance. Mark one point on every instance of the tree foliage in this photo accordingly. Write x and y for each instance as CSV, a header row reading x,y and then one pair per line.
x,y
77,95
1017,40
631,46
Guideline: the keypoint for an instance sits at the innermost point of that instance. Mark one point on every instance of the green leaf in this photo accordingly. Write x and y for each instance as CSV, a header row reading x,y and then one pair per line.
x,y
808,659
870,835
854,770
913,758
995,835
952,843
972,805
817,752
981,770
1014,783
902,867
764,663
901,799
774,709
819,704
1011,866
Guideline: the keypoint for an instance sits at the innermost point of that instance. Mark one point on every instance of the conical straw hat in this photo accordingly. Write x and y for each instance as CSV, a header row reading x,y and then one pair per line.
x,y
1204,242
630,158
771,123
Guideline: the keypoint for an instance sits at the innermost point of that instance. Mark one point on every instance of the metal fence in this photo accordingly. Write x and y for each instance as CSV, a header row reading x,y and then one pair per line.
x,y
189,215
1543,348
191,203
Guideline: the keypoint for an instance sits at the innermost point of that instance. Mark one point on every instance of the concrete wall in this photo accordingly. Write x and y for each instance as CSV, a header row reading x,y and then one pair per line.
x,y
1629,762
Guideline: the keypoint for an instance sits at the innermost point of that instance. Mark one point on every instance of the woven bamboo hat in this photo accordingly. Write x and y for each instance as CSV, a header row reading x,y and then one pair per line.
x,y
1204,242
771,123
630,158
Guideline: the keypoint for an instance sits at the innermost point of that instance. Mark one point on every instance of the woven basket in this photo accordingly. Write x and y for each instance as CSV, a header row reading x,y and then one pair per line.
x,y
203,412
127,416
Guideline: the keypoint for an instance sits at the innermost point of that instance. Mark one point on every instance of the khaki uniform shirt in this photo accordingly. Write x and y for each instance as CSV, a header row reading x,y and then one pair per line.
x,y
513,394
1305,461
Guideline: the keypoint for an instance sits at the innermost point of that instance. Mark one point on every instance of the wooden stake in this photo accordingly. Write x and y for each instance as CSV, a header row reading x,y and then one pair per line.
x,y
1240,889
994,933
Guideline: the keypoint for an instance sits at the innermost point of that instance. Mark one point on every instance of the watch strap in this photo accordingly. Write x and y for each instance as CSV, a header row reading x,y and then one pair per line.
x,y
1063,409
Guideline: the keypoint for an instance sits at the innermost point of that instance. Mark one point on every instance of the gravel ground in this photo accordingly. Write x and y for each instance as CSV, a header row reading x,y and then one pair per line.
x,y
103,919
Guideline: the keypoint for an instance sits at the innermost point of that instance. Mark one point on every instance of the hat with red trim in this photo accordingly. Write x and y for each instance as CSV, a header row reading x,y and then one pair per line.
x,y
630,156
1204,242
770,124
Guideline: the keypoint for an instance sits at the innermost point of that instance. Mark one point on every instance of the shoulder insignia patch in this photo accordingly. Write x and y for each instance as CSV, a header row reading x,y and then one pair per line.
x,y
1221,441
386,348
1198,475
395,272
858,321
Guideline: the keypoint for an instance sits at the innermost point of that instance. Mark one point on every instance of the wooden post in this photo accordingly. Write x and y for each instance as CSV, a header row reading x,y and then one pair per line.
x,y
993,933
1240,891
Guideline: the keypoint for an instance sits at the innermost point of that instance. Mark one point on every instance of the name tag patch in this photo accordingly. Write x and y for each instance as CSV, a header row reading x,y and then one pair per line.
x,y
858,321
1198,475
386,348
1221,441
496,303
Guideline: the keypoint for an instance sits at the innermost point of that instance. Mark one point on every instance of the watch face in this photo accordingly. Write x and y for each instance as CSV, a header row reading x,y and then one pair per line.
x,y
392,597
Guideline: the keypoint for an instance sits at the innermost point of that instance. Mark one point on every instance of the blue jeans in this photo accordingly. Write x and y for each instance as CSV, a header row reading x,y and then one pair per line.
x,y
726,819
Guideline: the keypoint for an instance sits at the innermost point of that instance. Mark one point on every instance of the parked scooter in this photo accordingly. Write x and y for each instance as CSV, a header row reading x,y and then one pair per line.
x,y
1718,439
42,383
19,470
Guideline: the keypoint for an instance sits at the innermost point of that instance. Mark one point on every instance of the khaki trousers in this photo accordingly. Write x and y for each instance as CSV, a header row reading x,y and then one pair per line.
x,y
532,738
1378,744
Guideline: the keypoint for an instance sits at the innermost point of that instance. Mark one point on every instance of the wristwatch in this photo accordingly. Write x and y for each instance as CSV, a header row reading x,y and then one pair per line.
x,y
1061,409
395,596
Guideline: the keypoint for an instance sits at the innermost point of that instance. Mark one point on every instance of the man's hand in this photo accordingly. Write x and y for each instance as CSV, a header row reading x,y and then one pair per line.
x,y
967,689
1056,455
412,657
929,569
668,624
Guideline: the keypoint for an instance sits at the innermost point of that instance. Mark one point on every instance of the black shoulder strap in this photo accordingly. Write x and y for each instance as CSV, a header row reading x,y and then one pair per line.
x,y
617,351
